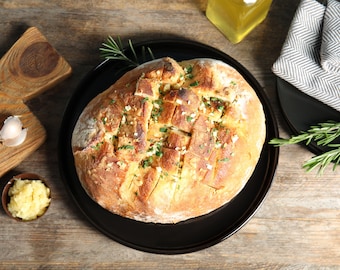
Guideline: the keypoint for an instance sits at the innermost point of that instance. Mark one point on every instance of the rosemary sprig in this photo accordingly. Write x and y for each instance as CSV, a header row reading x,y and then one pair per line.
x,y
323,160
114,49
322,134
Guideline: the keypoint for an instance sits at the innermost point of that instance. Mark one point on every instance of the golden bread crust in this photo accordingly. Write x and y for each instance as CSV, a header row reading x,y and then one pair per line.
x,y
169,141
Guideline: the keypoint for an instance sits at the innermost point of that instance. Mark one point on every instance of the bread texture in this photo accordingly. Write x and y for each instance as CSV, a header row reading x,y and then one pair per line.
x,y
169,140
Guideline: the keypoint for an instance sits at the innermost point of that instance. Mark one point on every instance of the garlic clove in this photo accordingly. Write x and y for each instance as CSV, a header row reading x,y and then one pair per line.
x,y
12,128
11,133
17,140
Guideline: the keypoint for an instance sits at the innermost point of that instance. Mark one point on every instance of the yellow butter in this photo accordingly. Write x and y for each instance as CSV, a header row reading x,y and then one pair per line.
x,y
28,199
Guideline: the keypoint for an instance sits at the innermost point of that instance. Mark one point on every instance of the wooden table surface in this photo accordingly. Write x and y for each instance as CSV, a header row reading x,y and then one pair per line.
x,y
297,226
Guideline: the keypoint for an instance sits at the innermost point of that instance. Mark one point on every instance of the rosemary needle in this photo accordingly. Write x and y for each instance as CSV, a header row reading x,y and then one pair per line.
x,y
114,49
322,134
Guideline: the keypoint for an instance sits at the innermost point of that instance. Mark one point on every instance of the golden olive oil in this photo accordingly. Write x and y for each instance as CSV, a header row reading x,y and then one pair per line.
x,y
235,18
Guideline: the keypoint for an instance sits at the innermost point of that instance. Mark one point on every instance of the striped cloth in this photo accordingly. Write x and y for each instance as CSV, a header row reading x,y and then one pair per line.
x,y
330,46
310,56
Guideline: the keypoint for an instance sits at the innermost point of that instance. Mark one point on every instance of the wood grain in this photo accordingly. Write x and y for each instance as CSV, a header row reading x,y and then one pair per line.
x,y
296,227
29,68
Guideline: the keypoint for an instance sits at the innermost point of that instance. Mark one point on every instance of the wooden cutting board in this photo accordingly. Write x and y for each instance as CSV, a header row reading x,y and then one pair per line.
x,y
29,68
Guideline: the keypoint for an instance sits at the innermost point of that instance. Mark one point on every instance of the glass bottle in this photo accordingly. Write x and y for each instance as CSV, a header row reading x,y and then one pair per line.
x,y
236,18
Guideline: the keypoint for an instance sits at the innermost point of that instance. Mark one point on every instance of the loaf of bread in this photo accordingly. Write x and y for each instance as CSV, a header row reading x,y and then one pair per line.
x,y
169,141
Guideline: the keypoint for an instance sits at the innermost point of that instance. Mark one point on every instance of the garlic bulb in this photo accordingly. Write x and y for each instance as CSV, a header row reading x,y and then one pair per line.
x,y
12,133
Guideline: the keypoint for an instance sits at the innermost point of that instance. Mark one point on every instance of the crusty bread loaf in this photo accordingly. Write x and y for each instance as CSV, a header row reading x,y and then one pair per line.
x,y
169,141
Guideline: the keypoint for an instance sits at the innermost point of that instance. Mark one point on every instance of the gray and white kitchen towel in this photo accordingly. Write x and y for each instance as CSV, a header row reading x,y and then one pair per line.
x,y
310,56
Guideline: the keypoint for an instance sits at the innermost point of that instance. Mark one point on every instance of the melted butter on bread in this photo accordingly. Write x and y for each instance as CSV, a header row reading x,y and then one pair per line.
x,y
169,141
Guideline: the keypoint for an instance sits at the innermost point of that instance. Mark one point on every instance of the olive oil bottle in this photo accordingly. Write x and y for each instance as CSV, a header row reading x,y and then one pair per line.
x,y
236,18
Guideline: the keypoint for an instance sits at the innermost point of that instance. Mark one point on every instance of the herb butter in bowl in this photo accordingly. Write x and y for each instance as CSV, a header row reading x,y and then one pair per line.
x,y
26,197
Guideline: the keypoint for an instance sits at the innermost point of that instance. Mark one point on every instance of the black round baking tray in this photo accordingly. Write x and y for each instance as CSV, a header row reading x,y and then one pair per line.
x,y
186,236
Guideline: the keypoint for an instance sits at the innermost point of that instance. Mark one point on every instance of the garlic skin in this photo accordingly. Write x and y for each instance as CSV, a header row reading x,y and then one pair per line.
x,y
17,140
12,133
